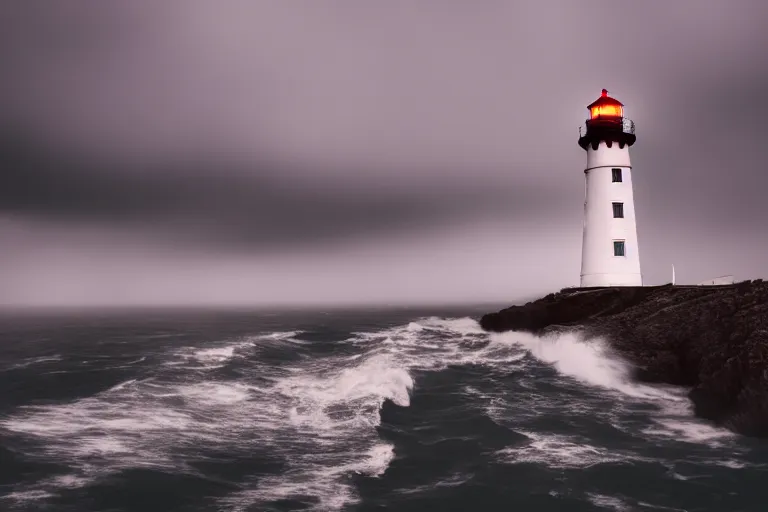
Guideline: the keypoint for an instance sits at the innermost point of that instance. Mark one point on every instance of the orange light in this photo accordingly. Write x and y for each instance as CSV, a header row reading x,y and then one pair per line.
x,y
607,110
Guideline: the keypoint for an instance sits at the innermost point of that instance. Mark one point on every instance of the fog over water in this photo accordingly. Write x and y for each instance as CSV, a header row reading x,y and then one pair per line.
x,y
187,153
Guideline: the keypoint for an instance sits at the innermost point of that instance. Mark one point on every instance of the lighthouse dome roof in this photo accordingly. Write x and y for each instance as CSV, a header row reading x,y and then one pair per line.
x,y
605,100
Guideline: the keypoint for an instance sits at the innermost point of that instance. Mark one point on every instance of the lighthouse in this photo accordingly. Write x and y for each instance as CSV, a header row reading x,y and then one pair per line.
x,y
610,254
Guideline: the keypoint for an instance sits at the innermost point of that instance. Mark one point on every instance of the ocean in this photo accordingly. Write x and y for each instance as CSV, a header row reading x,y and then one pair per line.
x,y
399,409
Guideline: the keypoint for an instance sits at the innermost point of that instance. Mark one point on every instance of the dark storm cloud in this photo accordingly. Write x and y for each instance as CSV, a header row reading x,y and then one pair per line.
x,y
119,83
315,123
252,206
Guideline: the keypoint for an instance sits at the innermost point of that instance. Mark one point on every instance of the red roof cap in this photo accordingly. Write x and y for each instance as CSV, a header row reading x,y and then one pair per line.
x,y
603,100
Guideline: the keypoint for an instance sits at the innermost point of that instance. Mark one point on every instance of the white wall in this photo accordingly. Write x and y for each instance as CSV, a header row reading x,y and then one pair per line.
x,y
717,281
599,267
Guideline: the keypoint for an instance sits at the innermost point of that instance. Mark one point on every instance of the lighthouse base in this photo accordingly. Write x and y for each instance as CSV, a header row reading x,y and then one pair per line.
x,y
602,280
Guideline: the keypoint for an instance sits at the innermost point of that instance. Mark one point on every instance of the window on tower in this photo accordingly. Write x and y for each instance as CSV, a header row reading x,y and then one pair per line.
x,y
618,247
618,210
616,175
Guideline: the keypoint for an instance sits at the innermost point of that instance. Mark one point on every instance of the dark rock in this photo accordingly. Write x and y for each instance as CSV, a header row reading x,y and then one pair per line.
x,y
713,339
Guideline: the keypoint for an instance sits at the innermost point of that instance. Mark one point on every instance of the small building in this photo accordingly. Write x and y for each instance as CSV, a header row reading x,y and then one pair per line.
x,y
718,281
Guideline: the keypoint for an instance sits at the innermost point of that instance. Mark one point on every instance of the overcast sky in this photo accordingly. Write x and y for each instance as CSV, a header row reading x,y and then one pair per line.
x,y
193,152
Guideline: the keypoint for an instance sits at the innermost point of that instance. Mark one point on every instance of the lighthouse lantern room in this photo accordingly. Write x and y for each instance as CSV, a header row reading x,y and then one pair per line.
x,y
610,254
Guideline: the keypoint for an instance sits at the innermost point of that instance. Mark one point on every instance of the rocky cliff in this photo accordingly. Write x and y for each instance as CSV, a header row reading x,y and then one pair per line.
x,y
713,339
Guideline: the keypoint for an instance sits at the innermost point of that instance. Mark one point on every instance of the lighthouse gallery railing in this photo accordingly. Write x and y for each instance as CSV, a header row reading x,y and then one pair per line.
x,y
627,126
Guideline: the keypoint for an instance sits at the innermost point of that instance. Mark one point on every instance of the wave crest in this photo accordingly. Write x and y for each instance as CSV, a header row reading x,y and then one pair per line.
x,y
589,361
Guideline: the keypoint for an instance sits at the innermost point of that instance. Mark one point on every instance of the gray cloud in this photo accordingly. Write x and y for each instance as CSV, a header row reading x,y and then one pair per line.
x,y
255,206
277,127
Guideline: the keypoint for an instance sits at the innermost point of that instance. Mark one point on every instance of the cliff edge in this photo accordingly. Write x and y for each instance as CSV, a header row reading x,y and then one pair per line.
x,y
713,339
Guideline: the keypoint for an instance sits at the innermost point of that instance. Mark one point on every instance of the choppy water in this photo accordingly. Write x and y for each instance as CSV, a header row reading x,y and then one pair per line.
x,y
340,411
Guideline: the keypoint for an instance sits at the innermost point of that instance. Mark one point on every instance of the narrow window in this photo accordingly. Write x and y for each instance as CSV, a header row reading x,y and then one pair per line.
x,y
618,247
618,210
616,175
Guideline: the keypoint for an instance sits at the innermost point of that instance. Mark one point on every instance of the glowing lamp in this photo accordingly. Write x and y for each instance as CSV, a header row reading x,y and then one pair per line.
x,y
606,111
606,107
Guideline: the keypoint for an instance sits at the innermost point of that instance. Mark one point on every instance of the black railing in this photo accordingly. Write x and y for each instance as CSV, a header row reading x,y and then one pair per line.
x,y
627,125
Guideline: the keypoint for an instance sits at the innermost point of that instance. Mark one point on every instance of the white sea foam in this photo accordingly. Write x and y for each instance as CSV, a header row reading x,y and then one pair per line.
x,y
120,386
675,422
315,478
588,361
318,414
454,480
608,502
68,481
560,452
435,343
591,362
338,410
325,409
727,463
24,496
690,430
34,360
215,354
659,507
350,397
215,393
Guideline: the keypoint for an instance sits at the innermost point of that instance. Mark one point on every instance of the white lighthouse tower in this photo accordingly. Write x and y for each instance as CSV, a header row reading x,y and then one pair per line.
x,y
610,255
